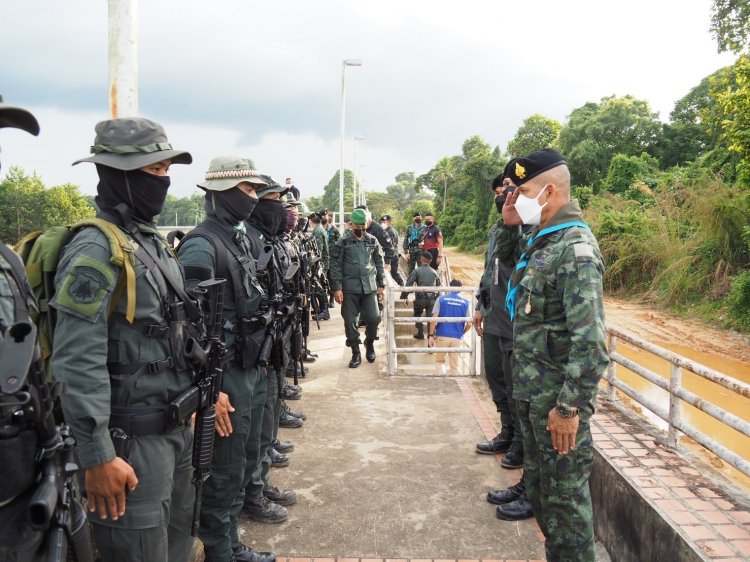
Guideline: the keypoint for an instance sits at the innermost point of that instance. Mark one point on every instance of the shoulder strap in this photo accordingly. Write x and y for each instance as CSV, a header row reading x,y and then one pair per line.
x,y
222,244
122,252
190,308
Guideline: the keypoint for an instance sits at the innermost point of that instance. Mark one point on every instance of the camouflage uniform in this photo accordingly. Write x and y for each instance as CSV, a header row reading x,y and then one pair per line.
x,y
412,238
559,357
321,240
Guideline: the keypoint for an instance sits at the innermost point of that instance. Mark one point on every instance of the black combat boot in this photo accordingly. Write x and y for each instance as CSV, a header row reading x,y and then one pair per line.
x,y
285,420
370,350
265,511
356,357
500,497
515,510
280,496
242,553
283,447
514,457
420,333
289,412
309,357
499,444
277,459
289,393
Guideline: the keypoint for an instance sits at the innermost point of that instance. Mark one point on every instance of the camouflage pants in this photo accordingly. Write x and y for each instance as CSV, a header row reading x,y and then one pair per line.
x,y
558,485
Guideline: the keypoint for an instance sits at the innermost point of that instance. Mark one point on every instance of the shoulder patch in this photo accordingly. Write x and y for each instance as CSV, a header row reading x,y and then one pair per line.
x,y
85,287
583,250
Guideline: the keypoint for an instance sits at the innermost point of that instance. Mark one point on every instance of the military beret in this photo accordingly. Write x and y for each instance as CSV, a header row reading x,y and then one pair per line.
x,y
323,212
426,256
359,217
429,214
417,214
521,170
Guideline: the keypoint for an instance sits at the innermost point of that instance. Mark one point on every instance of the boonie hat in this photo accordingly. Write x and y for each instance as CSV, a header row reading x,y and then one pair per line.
x,y
226,172
271,187
131,143
17,118
359,217
521,170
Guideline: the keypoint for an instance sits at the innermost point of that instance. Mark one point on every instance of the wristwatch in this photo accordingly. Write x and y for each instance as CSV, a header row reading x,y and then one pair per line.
x,y
565,411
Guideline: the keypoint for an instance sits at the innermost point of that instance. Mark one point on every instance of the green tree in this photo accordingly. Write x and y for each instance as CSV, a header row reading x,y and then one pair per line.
x,y
627,172
730,24
442,173
595,132
330,200
27,205
535,133
729,116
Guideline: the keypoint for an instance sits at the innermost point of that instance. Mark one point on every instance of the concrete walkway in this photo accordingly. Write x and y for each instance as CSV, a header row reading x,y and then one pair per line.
x,y
385,468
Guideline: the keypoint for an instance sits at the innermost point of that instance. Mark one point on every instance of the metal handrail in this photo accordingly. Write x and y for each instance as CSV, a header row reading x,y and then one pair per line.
x,y
391,320
678,394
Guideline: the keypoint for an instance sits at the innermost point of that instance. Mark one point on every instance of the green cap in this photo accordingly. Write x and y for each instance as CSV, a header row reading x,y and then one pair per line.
x,y
226,172
359,217
132,143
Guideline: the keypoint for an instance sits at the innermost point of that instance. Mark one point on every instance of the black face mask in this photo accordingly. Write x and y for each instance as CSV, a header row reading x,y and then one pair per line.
x,y
500,199
358,232
268,215
143,193
417,221
428,223
232,206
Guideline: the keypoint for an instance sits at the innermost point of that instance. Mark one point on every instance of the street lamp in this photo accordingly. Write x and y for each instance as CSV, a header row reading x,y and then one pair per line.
x,y
361,198
345,63
354,191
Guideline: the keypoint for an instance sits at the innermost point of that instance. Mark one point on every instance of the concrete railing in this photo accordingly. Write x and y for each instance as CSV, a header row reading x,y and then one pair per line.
x,y
391,320
678,394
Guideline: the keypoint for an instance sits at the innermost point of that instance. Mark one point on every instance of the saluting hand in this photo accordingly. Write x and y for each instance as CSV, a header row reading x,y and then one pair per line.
x,y
223,409
510,215
563,431
105,487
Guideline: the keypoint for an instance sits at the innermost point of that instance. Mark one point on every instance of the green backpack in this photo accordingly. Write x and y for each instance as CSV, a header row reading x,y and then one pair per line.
x,y
40,252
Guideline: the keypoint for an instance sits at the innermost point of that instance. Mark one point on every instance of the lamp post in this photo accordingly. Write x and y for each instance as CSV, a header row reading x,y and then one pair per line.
x,y
354,191
345,63
123,58
361,198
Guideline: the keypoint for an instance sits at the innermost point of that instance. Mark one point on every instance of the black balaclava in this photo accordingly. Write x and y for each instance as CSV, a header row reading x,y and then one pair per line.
x,y
143,193
500,199
231,206
268,215
302,224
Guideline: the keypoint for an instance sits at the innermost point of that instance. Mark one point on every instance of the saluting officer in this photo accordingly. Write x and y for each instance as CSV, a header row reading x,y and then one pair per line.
x,y
358,285
121,372
555,302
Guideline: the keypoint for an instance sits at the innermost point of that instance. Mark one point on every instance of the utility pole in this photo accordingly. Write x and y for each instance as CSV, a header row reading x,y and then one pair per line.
x,y
123,58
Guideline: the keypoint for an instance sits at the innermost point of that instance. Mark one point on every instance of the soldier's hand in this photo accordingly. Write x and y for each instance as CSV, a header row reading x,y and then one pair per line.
x,y
563,431
381,294
338,296
223,409
387,266
510,215
105,487
478,319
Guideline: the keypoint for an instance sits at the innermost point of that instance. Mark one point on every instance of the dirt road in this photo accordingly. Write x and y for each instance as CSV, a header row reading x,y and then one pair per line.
x,y
655,326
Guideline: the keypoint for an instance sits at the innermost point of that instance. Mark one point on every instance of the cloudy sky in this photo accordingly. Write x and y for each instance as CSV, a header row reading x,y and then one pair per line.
x,y
263,79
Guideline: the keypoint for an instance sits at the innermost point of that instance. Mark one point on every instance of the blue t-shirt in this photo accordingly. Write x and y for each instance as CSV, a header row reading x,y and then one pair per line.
x,y
451,305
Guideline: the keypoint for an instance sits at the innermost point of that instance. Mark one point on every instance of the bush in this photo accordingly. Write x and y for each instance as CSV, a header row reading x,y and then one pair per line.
x,y
738,300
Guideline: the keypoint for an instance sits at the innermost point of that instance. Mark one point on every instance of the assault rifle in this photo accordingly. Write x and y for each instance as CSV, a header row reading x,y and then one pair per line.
x,y
208,362
27,400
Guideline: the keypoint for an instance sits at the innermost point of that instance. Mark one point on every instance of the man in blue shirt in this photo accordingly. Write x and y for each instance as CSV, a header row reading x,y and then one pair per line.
x,y
449,334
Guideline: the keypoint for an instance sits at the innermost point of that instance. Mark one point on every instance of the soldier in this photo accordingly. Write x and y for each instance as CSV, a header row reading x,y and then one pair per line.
x,y
374,229
385,223
218,248
413,241
121,374
423,276
492,323
319,234
555,302
333,235
358,285
262,501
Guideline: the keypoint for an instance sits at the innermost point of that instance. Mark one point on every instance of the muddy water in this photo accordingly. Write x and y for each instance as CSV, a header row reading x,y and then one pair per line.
x,y
714,393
